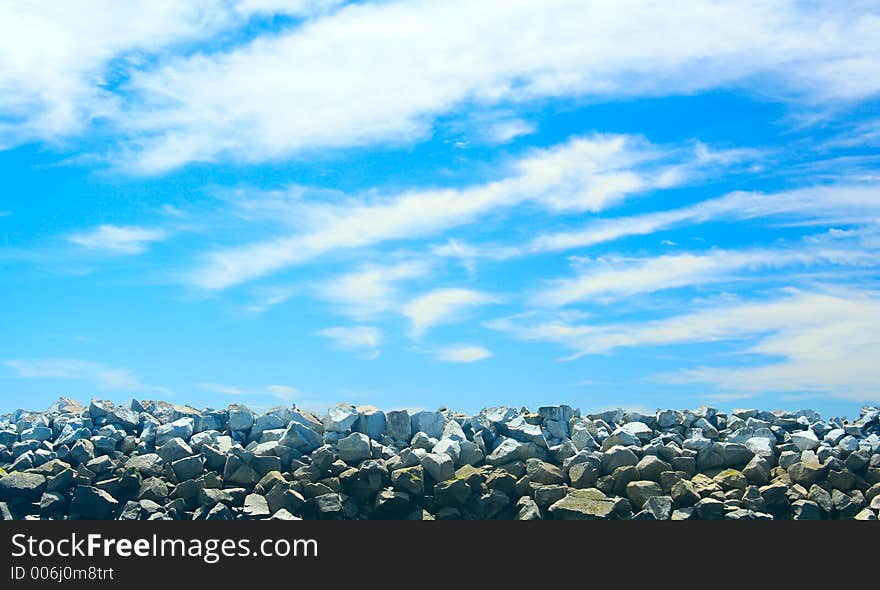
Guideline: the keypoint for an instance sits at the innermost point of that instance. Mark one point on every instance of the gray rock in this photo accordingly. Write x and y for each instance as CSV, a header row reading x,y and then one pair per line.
x,y
660,507
650,467
18,487
439,466
409,479
543,472
241,418
328,505
527,509
398,425
371,421
354,448
709,509
865,514
805,440
188,467
340,418
806,473
255,507
617,456
431,423
684,493
301,438
180,428
452,493
639,491
174,449
504,453
757,470
90,503
588,504
806,510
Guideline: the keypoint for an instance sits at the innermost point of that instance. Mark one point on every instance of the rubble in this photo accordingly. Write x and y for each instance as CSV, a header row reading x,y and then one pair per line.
x,y
154,460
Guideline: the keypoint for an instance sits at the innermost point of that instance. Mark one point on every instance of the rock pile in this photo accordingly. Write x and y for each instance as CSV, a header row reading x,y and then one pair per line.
x,y
154,460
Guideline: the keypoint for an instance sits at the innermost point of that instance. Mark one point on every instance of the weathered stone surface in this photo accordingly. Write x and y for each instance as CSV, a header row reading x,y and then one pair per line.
x,y
543,472
757,470
301,438
731,479
805,440
650,467
660,507
90,503
431,423
583,475
181,428
505,452
588,504
806,472
240,418
398,425
17,487
617,456
439,466
255,506
409,479
354,448
639,491
709,509
340,418
684,493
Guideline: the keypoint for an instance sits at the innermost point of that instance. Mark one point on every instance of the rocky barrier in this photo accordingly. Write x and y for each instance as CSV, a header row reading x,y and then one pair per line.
x,y
154,460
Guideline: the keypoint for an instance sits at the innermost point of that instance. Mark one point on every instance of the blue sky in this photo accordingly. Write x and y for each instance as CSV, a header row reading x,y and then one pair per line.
x,y
414,204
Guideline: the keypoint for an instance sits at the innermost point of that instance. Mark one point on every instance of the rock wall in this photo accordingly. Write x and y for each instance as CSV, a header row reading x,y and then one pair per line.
x,y
154,460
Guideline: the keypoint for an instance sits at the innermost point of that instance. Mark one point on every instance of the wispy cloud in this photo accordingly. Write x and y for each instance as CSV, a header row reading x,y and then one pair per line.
x,y
103,376
371,290
283,392
583,174
463,354
855,203
442,306
820,341
265,298
363,339
609,279
507,130
118,239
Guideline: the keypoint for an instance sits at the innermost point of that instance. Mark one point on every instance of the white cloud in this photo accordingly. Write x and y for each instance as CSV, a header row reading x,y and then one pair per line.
x,y
463,354
508,129
104,377
821,341
611,278
372,289
827,346
831,204
283,392
442,306
55,57
366,339
583,174
265,298
252,103
118,239
300,8
222,389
